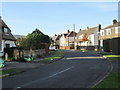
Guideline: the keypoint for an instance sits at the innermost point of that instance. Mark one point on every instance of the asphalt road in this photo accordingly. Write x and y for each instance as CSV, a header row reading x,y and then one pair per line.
x,y
76,70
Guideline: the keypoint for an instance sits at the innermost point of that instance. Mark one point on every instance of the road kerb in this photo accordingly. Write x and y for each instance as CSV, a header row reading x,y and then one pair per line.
x,y
109,60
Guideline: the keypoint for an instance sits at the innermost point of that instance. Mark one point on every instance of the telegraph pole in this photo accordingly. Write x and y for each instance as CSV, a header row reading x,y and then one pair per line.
x,y
74,34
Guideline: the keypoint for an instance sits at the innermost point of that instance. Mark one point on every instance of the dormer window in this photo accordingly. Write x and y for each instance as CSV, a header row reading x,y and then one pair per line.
x,y
5,30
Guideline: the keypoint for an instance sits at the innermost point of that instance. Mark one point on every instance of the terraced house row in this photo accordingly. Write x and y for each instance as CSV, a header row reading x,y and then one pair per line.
x,y
92,38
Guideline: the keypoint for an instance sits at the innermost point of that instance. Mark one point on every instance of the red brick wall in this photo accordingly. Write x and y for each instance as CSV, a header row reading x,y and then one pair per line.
x,y
67,47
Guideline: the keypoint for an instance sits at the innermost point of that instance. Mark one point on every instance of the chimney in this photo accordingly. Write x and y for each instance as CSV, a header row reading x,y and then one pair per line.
x,y
114,21
80,29
68,31
99,26
87,27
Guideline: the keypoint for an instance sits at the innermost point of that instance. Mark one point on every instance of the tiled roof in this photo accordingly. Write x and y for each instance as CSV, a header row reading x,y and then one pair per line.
x,y
88,32
91,30
65,35
8,35
114,25
72,34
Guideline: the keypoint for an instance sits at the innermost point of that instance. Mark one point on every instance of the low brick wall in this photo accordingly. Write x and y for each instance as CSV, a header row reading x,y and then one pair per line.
x,y
67,47
35,53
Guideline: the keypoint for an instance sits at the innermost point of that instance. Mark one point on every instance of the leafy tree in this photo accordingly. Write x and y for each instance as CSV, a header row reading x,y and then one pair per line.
x,y
34,40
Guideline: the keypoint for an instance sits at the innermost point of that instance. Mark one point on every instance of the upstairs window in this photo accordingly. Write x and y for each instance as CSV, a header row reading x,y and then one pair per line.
x,y
5,30
117,30
81,36
102,32
108,31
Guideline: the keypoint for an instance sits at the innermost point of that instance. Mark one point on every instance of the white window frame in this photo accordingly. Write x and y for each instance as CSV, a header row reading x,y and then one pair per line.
x,y
117,30
5,30
102,33
81,36
108,31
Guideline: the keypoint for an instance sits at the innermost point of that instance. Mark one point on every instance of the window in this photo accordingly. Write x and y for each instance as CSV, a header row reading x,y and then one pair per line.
x,y
117,30
108,31
5,30
81,36
102,32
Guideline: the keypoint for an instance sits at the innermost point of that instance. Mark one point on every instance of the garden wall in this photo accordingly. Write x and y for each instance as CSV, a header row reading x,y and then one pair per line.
x,y
35,53
112,45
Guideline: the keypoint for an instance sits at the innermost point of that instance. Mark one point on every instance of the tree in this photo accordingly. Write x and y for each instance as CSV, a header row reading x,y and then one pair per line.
x,y
85,37
34,40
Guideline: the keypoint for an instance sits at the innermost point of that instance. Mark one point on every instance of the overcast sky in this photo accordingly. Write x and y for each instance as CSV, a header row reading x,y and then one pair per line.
x,y
57,17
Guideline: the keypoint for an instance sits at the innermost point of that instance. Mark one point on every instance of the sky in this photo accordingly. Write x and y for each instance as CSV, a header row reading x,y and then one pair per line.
x,y
56,17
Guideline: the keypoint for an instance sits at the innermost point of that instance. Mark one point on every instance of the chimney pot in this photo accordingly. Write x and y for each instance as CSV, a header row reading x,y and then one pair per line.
x,y
87,27
68,31
114,21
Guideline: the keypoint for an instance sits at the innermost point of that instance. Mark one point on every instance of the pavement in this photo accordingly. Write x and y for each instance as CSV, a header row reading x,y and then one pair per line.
x,y
76,70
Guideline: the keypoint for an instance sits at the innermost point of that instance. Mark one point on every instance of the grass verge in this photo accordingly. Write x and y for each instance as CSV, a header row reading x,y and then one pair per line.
x,y
112,57
8,71
57,55
111,81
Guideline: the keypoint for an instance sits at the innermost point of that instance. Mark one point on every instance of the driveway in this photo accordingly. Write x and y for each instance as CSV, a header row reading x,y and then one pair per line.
x,y
76,70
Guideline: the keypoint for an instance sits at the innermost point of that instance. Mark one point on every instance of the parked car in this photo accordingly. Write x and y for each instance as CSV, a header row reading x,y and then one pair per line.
x,y
2,63
52,48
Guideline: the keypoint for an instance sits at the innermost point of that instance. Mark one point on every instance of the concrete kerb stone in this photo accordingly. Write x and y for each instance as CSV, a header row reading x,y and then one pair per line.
x,y
111,68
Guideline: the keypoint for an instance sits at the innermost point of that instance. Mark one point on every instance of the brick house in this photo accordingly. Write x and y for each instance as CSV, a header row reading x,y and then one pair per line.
x,y
6,38
88,38
110,38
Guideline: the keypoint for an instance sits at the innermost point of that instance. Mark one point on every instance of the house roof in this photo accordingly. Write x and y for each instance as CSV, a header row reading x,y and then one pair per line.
x,y
2,24
8,35
88,32
91,30
65,34
56,37
72,34
114,25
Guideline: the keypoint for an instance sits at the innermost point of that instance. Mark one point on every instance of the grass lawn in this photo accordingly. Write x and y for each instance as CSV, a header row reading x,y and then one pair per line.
x,y
113,57
3,72
111,81
57,55
84,50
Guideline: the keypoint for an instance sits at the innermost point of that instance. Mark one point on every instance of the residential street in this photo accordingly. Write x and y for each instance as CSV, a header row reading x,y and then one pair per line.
x,y
76,70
